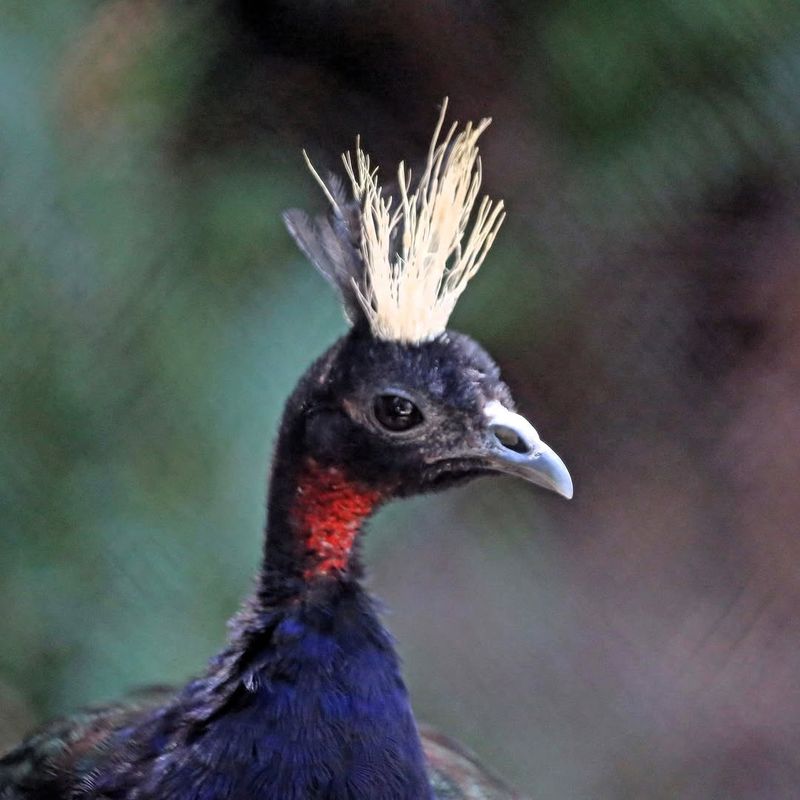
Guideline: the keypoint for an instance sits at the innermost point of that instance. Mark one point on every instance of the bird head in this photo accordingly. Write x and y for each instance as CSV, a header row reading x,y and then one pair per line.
x,y
402,405
415,417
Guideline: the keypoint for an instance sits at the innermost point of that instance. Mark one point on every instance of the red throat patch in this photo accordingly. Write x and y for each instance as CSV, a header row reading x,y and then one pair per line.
x,y
328,511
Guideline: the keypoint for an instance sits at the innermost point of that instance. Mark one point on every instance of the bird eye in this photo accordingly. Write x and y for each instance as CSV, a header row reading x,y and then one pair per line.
x,y
396,413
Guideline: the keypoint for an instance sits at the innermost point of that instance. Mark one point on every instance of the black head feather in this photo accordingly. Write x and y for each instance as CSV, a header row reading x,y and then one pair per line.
x,y
448,381
331,242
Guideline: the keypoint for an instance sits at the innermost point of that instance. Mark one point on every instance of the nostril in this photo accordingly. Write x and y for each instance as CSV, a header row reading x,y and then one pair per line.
x,y
510,439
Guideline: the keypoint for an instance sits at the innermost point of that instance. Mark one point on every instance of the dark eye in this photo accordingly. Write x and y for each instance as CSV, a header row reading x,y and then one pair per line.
x,y
396,413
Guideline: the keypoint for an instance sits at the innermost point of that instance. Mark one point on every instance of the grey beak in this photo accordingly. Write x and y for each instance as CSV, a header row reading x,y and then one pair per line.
x,y
516,449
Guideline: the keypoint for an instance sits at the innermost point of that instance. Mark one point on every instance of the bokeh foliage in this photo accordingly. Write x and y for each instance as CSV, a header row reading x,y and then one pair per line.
x,y
154,315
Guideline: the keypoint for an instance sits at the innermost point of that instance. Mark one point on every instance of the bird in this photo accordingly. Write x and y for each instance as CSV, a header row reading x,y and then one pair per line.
x,y
306,700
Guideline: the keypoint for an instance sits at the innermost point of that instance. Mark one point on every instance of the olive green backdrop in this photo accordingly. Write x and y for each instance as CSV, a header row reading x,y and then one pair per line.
x,y
643,299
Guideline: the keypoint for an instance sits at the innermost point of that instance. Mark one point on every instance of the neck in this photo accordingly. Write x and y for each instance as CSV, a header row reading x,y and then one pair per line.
x,y
325,517
311,676
316,513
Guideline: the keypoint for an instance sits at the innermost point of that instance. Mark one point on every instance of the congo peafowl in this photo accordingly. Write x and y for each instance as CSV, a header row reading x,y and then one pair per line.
x,y
307,700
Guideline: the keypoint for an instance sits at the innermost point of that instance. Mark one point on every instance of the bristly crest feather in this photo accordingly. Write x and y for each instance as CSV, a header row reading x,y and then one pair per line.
x,y
419,257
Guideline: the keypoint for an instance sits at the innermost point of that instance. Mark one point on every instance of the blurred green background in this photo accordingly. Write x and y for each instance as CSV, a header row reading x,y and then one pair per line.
x,y
643,299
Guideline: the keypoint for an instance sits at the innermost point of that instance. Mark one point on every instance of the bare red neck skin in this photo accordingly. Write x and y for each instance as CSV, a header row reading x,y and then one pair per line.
x,y
327,512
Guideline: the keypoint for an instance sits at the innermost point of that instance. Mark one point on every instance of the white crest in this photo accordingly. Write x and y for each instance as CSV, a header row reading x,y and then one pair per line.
x,y
419,257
